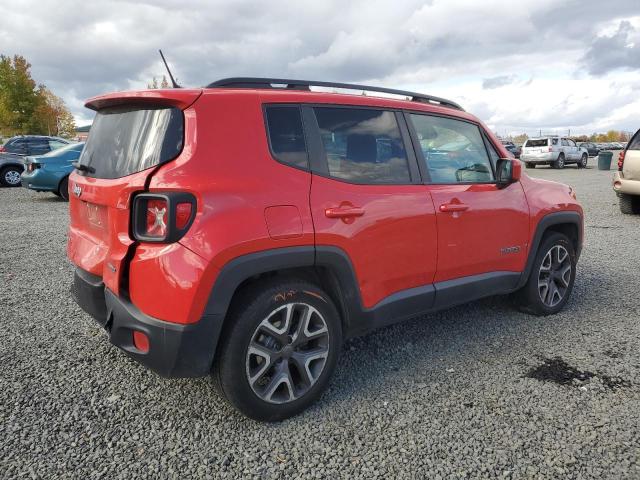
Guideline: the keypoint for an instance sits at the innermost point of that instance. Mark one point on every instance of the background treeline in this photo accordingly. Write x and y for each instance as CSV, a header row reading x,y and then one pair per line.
x,y
28,108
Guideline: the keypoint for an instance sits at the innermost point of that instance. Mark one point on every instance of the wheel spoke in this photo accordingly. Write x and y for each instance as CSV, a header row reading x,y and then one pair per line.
x,y
565,276
283,376
304,359
258,350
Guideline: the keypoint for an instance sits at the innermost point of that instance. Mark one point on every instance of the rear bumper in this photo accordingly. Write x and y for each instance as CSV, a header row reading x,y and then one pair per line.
x,y
40,180
175,350
538,157
622,185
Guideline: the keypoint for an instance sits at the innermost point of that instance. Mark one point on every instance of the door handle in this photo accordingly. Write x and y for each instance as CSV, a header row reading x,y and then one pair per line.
x,y
344,212
453,207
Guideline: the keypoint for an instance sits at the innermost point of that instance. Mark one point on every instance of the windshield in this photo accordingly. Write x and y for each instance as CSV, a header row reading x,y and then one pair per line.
x,y
126,140
536,143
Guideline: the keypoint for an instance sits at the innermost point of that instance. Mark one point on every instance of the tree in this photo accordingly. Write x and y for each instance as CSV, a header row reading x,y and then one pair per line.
x,y
26,108
51,116
18,94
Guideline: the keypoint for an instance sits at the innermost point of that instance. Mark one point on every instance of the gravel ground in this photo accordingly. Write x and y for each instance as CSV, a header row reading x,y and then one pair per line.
x,y
480,391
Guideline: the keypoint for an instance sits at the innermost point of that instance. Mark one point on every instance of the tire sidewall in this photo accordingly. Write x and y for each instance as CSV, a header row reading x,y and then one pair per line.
x,y
584,160
560,162
231,367
533,295
63,189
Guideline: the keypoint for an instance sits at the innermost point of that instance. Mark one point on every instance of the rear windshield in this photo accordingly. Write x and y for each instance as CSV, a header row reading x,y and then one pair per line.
x,y
126,140
536,143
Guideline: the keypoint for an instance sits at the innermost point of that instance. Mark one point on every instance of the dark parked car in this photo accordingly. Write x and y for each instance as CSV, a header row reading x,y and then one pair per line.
x,y
592,149
512,148
11,153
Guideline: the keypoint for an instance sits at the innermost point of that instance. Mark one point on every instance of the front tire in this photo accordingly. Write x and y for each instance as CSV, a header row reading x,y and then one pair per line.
x,y
279,351
584,160
63,189
551,278
559,163
629,204
10,176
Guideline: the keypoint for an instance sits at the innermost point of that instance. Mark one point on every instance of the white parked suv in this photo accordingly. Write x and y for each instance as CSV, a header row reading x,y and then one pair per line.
x,y
554,151
626,181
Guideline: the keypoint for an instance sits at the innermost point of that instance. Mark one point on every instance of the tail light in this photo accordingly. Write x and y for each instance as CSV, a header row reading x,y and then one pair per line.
x,y
162,217
2,149
620,160
551,149
32,166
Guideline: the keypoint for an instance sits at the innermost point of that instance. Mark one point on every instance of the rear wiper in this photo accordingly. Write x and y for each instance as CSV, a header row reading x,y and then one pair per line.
x,y
83,168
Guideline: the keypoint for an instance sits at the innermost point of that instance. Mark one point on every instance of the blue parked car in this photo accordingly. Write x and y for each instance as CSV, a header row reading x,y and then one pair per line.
x,y
50,172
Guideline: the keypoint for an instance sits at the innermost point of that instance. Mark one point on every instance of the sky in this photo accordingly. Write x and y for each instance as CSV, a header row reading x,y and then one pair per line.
x,y
523,66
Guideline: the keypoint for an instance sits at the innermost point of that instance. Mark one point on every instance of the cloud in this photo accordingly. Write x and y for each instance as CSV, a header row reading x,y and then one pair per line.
x,y
448,48
499,81
618,51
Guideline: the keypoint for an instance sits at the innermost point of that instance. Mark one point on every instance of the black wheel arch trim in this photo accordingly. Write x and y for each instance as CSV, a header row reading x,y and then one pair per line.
x,y
550,220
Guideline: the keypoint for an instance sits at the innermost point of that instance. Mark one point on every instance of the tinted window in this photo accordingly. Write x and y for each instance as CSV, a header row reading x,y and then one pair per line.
x,y
536,143
453,150
363,145
126,140
634,144
554,141
286,135
38,146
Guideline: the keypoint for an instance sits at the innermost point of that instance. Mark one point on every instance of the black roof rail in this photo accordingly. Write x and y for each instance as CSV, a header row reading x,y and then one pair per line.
x,y
284,83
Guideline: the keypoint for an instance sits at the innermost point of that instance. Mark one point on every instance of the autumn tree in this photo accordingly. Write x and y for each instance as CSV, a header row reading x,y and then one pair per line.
x,y
27,108
18,95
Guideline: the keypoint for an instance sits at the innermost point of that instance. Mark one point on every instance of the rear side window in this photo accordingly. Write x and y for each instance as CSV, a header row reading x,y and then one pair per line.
x,y
536,143
453,150
126,140
363,145
634,144
286,135
38,146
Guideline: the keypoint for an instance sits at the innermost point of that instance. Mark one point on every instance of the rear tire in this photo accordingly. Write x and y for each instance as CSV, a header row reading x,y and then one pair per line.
x,y
270,366
584,160
551,279
63,189
10,176
559,163
629,204
530,165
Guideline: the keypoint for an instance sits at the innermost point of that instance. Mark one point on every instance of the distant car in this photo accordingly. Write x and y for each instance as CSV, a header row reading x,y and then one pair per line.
x,y
50,172
592,148
554,151
512,148
12,152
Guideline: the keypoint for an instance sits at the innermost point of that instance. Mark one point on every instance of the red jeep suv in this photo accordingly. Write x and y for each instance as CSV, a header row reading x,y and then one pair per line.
x,y
248,228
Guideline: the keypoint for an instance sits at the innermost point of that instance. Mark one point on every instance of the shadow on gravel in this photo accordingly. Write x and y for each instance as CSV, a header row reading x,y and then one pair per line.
x,y
558,371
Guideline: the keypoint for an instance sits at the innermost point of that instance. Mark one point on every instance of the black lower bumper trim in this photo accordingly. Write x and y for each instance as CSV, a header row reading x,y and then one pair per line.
x,y
175,350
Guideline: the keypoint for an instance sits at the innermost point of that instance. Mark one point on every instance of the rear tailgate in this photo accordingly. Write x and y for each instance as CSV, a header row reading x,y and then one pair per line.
x,y
133,133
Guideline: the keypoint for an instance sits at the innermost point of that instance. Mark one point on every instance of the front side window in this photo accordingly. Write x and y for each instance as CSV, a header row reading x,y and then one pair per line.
x,y
363,145
565,143
286,135
453,150
55,144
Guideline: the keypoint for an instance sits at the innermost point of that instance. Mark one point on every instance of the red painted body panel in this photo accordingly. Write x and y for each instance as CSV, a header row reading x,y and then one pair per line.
x,y
247,202
392,246
470,241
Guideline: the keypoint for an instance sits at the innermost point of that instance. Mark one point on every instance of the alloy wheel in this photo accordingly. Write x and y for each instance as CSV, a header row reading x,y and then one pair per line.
x,y
12,177
554,276
287,353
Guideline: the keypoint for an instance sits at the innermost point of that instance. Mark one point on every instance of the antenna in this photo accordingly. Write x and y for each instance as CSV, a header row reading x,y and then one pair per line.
x,y
173,81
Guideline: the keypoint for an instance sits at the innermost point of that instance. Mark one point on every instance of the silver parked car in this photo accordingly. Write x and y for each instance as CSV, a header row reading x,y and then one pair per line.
x,y
554,151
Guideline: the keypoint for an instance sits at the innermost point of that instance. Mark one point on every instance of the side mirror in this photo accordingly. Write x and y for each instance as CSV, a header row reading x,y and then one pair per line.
x,y
508,171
